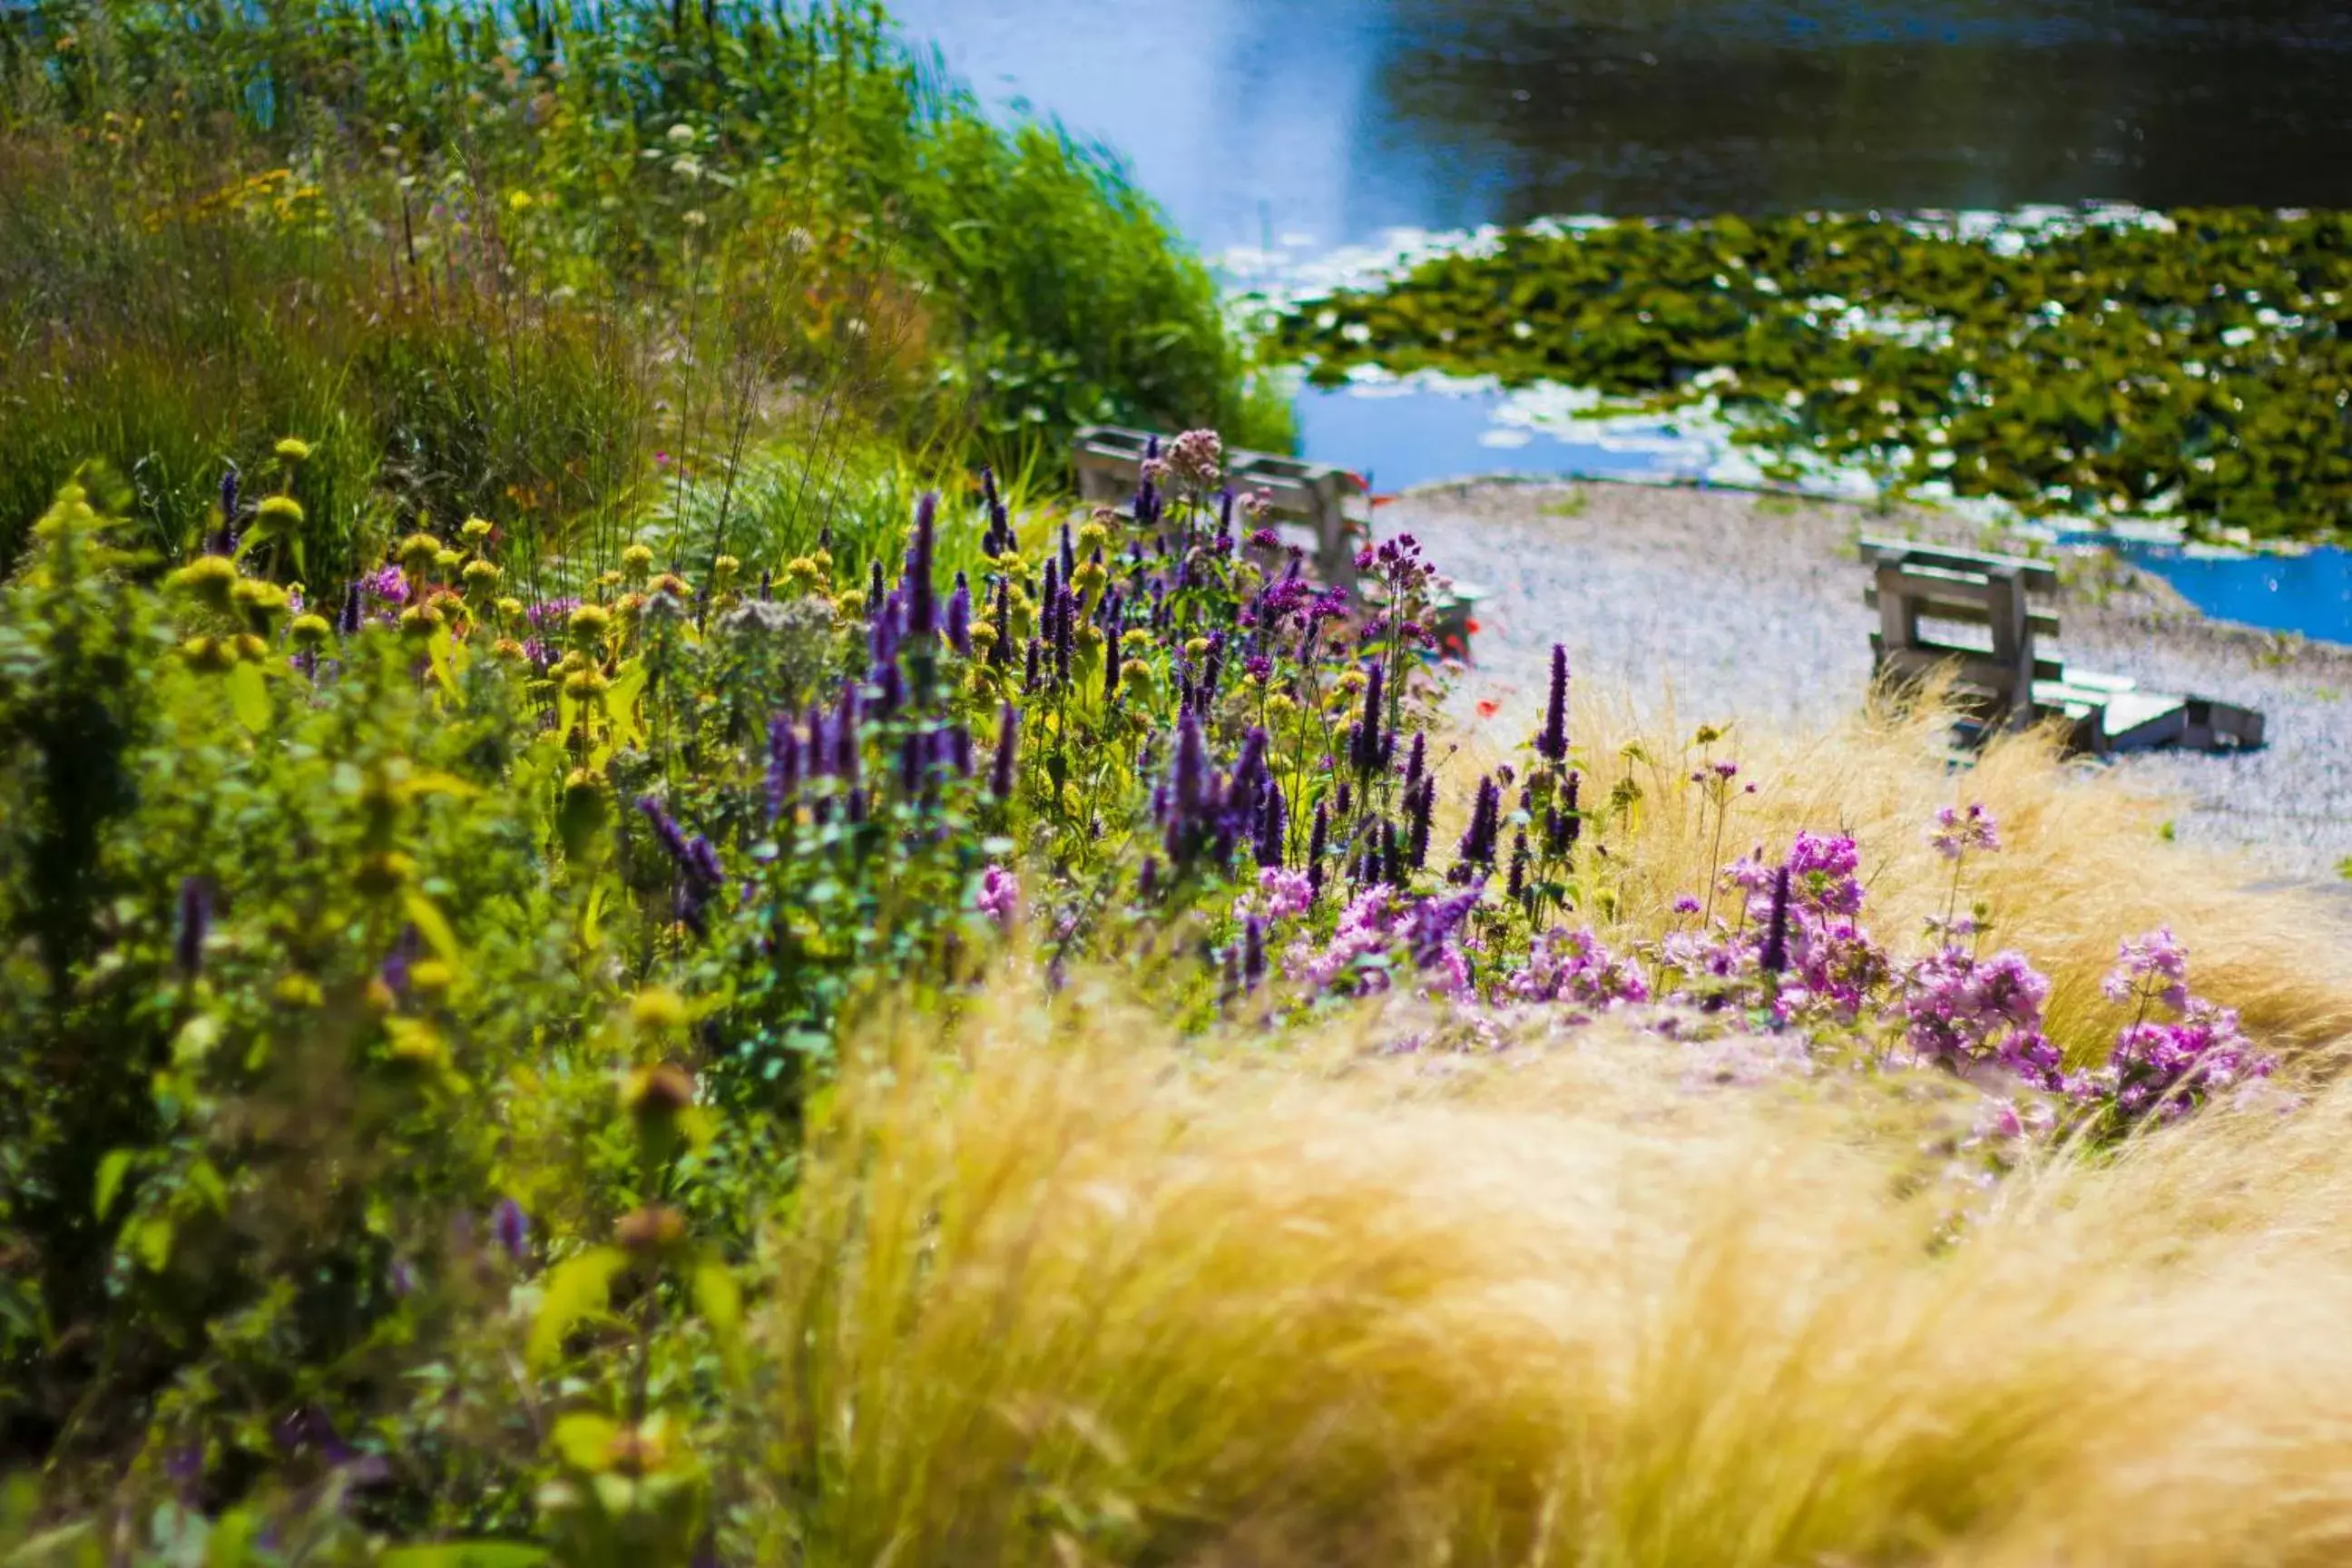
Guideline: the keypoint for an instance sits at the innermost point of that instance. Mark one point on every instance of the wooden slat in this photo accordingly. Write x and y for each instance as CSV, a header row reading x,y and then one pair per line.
x,y
2042,622
2039,576
1976,666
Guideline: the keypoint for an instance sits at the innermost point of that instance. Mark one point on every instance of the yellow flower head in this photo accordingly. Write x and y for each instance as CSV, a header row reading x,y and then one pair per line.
x,y
208,579
478,528
292,449
417,552
657,1009
311,631
276,516
588,626
636,563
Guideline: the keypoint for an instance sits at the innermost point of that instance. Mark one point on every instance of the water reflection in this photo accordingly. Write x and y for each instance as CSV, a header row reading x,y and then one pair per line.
x,y
1332,119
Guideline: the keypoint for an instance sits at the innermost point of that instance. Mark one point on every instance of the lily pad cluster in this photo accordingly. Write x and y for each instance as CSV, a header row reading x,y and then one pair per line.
x,y
2197,365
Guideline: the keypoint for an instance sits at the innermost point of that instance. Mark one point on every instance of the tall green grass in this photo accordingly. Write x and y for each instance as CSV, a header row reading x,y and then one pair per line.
x,y
552,264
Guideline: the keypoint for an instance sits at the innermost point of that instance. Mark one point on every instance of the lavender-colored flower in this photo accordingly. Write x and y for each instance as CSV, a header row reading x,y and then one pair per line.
x,y
1957,833
512,1228
1552,743
1364,746
922,604
196,922
1477,846
1575,967
1273,820
1000,896
959,626
346,623
2154,966
958,741
1420,808
1416,761
1285,894
1319,840
1774,959
1517,887
1252,953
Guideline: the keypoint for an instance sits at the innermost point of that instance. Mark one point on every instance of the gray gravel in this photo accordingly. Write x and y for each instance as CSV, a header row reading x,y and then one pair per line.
x,y
1732,605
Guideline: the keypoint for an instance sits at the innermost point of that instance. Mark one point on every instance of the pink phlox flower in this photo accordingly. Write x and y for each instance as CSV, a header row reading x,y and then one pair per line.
x,y
1000,896
1286,893
1575,966
1961,1008
2154,965
1958,832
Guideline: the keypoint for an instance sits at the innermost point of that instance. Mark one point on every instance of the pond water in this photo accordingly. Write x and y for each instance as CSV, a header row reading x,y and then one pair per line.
x,y
1290,130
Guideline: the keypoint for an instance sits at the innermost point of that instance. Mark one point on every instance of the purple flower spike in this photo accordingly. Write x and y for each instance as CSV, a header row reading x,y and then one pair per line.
x,y
196,922
1008,738
512,1226
922,603
1552,745
1364,749
959,626
1774,959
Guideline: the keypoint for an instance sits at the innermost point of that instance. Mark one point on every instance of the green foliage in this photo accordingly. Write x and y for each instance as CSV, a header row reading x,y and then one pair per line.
x,y
2193,364
502,261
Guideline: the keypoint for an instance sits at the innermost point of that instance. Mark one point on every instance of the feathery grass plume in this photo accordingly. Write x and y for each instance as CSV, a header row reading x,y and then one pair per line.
x,y
1551,743
1001,774
1591,1311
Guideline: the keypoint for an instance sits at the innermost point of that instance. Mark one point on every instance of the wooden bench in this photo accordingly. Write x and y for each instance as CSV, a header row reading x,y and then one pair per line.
x,y
1316,498
2010,684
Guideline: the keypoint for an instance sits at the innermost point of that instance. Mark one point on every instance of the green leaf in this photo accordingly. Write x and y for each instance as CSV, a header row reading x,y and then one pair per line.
x,y
577,1290
721,1301
465,1554
432,928
110,1172
583,1439
249,696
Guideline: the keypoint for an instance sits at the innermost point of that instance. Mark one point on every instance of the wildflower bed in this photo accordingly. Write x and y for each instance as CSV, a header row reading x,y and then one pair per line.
x,y
425,988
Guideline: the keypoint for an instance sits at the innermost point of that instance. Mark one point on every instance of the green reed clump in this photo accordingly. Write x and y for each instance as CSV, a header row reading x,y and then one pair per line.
x,y
2191,363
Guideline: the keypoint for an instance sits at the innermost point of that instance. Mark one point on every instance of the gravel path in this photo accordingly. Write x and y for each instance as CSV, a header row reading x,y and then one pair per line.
x,y
1735,605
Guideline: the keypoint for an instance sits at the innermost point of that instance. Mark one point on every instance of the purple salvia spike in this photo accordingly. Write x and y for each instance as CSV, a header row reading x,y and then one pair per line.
x,y
1318,843
959,623
1552,744
922,600
1774,959
196,922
